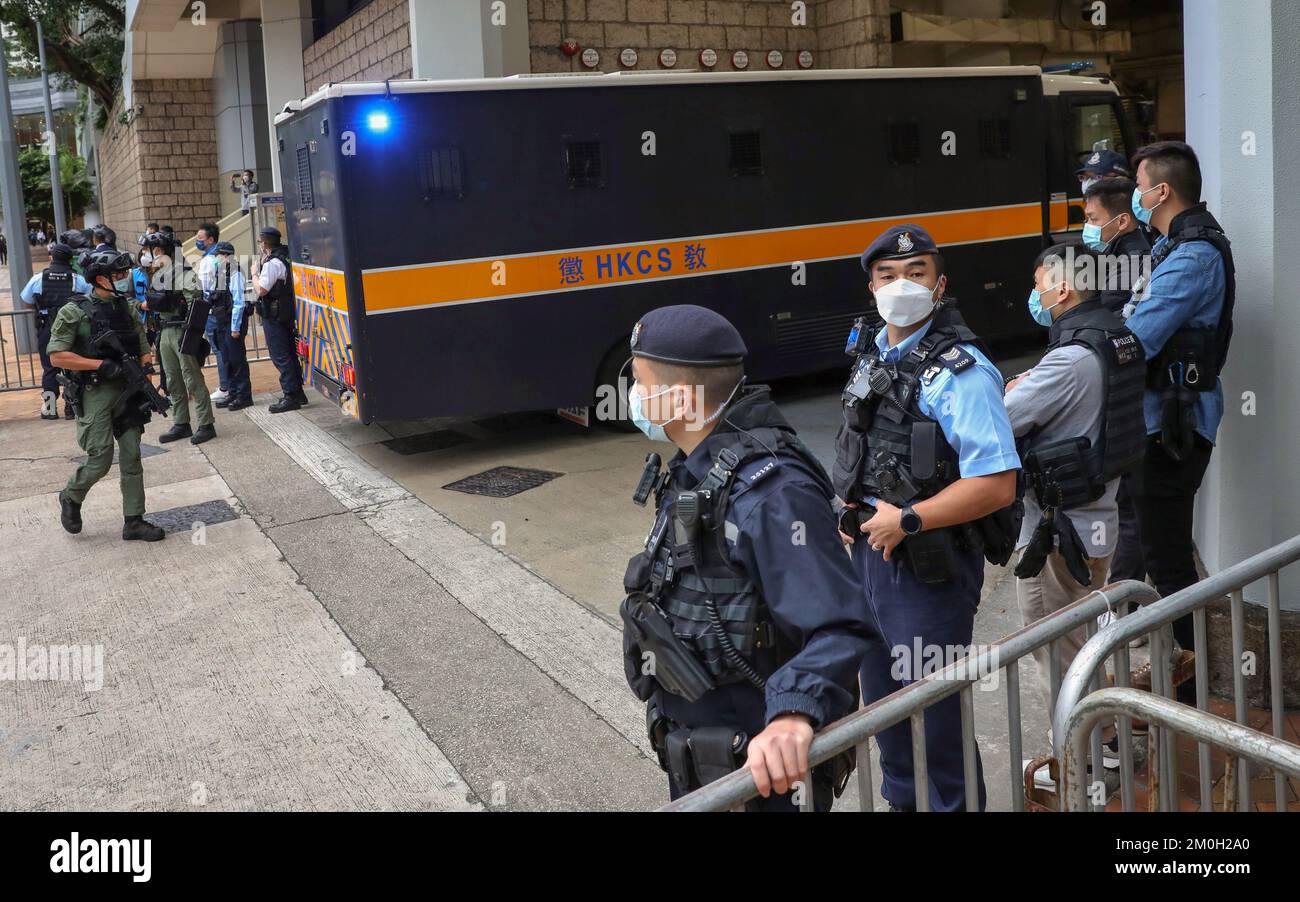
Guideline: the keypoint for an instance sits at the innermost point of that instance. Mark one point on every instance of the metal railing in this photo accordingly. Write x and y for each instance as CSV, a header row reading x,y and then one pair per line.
x,y
1206,728
21,370
1154,621
911,702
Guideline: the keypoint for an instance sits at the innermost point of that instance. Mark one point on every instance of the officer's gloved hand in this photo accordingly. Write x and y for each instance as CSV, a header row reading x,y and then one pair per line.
x,y
1035,554
109,369
1073,551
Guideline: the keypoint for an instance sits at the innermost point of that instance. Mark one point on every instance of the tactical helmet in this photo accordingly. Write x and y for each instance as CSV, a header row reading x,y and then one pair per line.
x,y
74,239
105,263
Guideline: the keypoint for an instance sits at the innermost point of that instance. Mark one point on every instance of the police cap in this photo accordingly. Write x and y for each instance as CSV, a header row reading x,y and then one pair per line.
x,y
60,252
269,232
687,335
1104,162
898,243
225,247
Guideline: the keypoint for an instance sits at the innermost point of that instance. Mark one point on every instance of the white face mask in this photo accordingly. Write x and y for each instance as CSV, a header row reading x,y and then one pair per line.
x,y
903,302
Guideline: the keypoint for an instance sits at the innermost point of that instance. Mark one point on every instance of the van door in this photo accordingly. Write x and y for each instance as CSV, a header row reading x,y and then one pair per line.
x,y
1088,122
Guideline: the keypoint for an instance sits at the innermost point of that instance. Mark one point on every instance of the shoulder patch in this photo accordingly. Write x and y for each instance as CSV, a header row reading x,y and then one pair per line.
x,y
764,470
955,359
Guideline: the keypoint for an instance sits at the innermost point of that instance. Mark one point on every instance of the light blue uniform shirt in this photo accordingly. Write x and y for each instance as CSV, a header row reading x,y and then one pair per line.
x,y
28,294
237,304
1186,291
968,407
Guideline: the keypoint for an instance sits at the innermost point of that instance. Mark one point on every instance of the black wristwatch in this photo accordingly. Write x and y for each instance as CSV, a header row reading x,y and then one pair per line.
x,y
910,521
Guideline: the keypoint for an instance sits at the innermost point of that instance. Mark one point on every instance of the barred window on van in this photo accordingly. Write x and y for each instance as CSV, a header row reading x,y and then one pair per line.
x,y
582,164
441,172
904,143
746,153
995,138
306,196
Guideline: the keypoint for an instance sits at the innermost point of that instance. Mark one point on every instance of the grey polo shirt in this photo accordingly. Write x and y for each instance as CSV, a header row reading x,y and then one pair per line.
x,y
1062,398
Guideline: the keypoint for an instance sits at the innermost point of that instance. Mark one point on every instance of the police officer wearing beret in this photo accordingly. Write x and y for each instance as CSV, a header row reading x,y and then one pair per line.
x,y
1103,164
927,465
743,625
273,280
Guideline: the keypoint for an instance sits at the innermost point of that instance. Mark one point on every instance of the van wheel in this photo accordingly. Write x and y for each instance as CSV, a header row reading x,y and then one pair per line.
x,y
613,380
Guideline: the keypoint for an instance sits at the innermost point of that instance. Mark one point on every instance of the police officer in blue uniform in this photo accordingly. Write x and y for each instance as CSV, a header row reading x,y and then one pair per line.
x,y
1184,321
743,625
47,292
926,463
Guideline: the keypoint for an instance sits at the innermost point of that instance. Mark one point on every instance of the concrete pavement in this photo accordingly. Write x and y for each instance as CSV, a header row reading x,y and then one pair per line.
x,y
353,634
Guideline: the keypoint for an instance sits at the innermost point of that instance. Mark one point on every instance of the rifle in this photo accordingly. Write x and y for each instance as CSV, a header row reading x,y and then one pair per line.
x,y
137,404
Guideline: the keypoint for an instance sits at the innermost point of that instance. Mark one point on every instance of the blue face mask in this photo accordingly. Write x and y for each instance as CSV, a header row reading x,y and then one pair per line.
x,y
1042,315
1092,235
200,244
1141,212
635,401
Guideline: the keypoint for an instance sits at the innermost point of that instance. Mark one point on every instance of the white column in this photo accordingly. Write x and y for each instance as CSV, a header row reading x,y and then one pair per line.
x,y
468,38
1243,85
286,30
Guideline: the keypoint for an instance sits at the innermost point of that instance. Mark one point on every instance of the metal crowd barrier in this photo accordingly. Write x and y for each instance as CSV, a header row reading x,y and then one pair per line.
x,y
1154,620
19,370
911,702
1206,728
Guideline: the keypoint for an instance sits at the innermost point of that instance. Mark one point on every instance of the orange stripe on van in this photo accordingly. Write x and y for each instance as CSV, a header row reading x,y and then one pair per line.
x,y
529,274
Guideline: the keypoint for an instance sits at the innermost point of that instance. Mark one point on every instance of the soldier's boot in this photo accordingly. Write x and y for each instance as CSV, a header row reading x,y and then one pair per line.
x,y
179,430
68,412
69,513
205,432
49,406
141,529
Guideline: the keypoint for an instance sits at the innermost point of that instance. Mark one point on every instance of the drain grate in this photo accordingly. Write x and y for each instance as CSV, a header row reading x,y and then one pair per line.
x,y
502,482
182,519
426,441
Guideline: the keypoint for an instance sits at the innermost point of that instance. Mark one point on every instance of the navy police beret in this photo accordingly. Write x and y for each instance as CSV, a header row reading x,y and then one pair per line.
x,y
1104,162
898,243
687,335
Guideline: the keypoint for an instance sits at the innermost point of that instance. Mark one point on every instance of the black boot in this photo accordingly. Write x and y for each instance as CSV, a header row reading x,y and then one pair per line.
x,y
142,529
179,430
205,432
67,411
286,403
69,514
239,404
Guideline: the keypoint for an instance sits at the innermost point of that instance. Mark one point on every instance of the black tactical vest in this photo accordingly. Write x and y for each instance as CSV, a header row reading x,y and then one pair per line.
x,y
1199,353
220,298
283,288
883,424
888,448
109,316
56,288
1080,469
683,589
